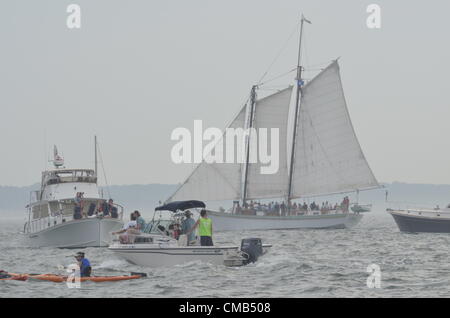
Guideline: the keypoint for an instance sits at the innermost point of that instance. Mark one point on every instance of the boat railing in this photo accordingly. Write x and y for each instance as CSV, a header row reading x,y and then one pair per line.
x,y
297,212
425,211
54,219
121,209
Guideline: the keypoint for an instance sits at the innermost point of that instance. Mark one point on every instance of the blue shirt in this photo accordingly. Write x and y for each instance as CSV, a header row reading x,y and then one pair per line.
x,y
187,224
84,267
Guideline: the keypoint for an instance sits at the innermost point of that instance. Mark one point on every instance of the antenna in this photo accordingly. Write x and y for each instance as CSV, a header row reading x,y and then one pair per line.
x,y
95,156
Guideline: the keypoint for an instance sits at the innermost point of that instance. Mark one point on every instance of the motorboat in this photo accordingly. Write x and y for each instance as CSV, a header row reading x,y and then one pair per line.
x,y
161,246
69,210
422,220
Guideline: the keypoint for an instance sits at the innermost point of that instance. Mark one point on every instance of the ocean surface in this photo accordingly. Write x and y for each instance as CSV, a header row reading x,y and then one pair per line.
x,y
302,263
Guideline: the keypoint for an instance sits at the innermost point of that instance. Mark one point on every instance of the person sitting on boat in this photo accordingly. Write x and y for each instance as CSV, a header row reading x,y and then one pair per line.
x,y
204,229
84,264
186,225
112,209
174,231
104,208
129,231
139,220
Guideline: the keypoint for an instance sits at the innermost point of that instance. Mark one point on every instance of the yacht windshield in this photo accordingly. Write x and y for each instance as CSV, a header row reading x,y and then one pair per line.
x,y
64,176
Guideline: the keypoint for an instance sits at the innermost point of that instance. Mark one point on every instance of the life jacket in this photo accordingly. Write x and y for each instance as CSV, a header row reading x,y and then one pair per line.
x,y
205,227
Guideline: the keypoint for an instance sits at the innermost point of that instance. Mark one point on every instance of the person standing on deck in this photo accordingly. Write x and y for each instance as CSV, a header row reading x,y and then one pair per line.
x,y
204,229
186,225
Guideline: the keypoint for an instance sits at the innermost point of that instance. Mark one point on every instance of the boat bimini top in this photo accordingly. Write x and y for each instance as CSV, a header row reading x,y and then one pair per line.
x,y
181,206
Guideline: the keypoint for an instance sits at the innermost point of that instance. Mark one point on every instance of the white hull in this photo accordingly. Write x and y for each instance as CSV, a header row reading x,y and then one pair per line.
x,y
90,232
170,256
162,255
233,222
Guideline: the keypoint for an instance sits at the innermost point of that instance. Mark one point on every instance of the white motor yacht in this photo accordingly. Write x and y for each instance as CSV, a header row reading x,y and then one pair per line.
x,y
68,211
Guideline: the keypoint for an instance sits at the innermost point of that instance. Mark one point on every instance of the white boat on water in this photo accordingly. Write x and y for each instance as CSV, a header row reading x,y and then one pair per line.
x,y
319,155
55,219
159,248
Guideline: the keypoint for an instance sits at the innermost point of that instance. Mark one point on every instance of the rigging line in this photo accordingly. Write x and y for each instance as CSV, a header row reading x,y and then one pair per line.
x,y
103,169
277,77
321,65
412,203
279,53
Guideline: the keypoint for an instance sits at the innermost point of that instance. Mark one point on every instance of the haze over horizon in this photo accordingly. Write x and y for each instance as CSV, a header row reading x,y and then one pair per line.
x,y
134,73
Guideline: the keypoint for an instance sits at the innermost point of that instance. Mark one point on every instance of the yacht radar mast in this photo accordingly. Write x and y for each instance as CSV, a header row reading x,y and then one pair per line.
x,y
58,161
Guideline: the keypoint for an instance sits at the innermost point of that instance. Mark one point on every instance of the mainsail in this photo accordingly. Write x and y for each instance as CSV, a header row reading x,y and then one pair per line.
x,y
271,112
328,157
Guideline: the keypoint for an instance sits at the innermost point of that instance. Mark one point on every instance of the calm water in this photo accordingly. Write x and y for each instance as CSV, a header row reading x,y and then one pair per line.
x,y
302,263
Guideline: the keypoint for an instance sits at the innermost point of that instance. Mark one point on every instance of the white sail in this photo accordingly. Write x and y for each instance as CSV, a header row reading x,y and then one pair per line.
x,y
271,112
215,181
328,157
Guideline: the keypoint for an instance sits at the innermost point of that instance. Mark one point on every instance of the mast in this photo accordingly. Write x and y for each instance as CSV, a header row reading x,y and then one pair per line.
x,y
297,107
250,125
95,156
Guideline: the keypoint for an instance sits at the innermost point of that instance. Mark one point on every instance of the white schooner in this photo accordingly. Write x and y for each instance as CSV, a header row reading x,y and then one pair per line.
x,y
319,155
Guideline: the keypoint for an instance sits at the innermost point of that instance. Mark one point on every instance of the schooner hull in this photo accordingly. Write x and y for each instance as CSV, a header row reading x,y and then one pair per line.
x,y
233,222
91,232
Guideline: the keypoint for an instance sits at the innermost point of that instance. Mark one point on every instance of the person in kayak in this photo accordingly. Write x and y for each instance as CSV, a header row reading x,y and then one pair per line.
x,y
204,224
4,275
85,265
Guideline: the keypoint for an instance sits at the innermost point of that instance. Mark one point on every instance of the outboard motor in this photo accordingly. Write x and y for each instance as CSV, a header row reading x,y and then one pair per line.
x,y
252,248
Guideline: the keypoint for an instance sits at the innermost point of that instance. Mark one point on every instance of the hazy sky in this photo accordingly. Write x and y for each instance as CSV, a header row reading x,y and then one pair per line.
x,y
138,69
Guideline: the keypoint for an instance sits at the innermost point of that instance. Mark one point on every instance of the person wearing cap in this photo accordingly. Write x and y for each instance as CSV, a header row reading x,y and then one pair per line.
x,y
204,224
84,264
186,225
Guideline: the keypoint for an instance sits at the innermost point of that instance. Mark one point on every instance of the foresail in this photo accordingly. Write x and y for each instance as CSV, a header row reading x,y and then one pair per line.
x,y
271,112
328,157
215,181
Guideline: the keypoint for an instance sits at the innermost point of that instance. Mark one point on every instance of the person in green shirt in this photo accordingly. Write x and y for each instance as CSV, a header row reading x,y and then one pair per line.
x,y
204,229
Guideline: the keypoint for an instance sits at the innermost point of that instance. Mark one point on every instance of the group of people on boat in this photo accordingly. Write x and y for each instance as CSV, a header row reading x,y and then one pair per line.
x,y
101,208
275,208
188,226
